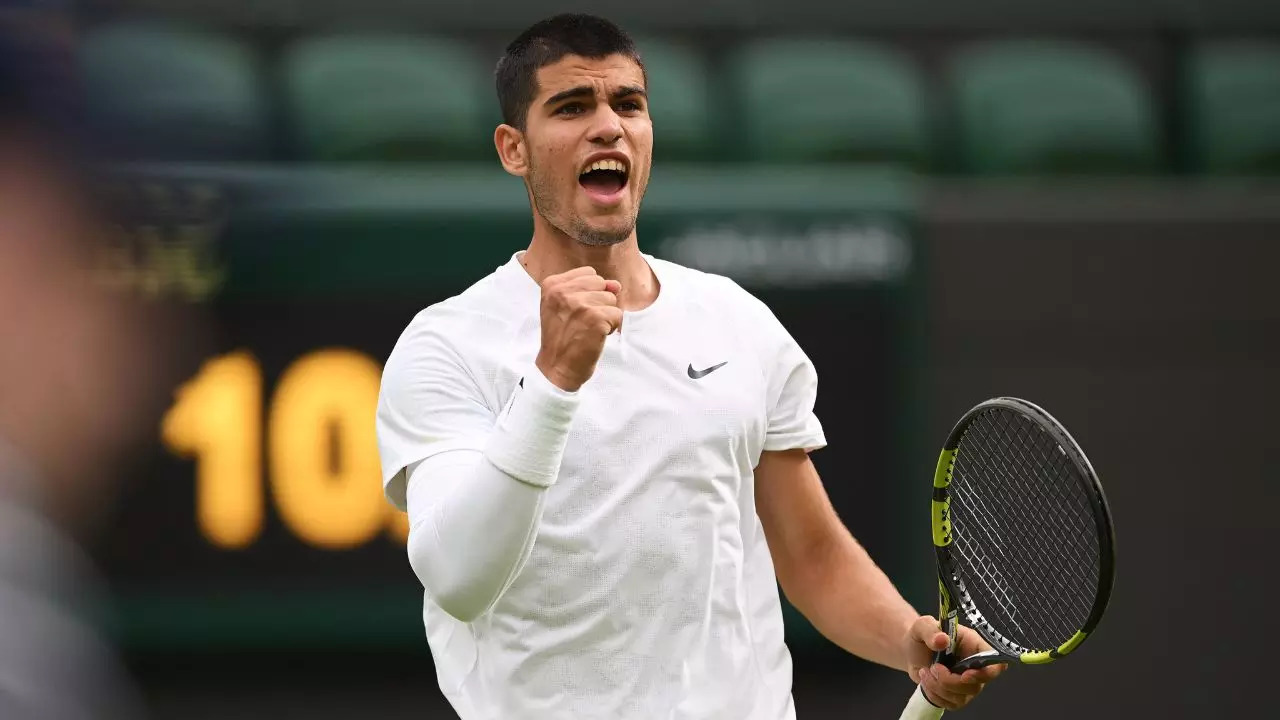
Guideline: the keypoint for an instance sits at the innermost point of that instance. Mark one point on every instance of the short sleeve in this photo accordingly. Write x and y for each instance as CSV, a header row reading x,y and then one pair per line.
x,y
792,383
429,403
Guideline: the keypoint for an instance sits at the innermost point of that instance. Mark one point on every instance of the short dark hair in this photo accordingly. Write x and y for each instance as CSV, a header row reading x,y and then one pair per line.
x,y
546,42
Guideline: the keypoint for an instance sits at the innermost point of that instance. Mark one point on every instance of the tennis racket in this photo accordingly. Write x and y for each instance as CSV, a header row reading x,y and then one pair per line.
x,y
1023,540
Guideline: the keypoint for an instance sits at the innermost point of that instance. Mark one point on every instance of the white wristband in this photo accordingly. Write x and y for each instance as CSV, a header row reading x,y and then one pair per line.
x,y
529,439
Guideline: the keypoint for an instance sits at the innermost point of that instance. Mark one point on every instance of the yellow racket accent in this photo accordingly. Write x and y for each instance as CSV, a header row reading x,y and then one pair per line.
x,y
942,476
1071,644
942,522
1037,658
1048,656
942,508
944,601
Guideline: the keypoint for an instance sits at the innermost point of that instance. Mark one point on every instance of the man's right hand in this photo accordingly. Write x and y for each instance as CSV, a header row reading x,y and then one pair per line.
x,y
579,310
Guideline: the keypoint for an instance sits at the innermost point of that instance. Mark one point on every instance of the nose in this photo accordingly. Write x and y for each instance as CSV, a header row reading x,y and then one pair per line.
x,y
606,128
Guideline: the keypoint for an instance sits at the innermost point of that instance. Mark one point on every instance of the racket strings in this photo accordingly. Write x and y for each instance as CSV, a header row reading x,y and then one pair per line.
x,y
1025,540
1015,463
1074,508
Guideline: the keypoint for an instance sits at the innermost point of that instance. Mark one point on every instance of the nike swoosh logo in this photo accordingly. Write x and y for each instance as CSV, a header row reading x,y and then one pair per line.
x,y
695,374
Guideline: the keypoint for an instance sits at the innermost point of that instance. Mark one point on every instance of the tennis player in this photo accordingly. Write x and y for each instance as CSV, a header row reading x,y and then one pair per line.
x,y
604,456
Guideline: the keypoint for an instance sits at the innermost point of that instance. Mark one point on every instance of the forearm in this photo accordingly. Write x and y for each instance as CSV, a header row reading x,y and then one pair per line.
x,y
471,527
852,602
473,515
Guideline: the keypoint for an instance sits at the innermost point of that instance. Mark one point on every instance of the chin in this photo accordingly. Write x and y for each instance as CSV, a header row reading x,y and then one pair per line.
x,y
596,229
599,236
601,239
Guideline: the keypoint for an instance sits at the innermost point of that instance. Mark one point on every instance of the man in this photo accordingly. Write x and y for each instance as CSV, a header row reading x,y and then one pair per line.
x,y
604,455
72,371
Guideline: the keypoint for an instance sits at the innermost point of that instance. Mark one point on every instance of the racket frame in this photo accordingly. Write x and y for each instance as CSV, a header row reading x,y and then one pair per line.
x,y
954,600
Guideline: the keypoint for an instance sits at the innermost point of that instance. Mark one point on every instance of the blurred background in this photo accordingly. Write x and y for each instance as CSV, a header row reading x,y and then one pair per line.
x,y
1076,202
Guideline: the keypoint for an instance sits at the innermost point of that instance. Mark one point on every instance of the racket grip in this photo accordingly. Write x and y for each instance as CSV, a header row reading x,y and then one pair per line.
x,y
919,708
980,660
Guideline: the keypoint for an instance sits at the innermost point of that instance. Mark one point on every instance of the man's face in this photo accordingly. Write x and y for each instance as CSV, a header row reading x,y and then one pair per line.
x,y
75,362
590,146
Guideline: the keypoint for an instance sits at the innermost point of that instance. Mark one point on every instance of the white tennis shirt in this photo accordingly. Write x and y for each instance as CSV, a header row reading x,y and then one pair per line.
x,y
649,591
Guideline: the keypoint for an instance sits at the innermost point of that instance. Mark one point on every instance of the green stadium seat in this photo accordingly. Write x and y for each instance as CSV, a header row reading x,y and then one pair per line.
x,y
388,98
679,100
838,101
164,91
1233,101
1041,107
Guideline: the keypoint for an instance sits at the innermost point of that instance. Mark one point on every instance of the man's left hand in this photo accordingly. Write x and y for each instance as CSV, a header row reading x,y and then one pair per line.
x,y
948,690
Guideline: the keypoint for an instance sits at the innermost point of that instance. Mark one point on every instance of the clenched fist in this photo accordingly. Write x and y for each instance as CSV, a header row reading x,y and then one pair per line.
x,y
579,310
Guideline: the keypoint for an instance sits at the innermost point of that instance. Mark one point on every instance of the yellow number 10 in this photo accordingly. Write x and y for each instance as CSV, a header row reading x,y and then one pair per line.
x,y
320,448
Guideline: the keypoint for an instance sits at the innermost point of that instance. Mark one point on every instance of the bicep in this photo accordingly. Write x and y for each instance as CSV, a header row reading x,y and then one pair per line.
x,y
799,521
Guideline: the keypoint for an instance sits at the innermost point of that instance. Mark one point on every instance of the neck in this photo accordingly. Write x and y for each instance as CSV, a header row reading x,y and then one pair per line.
x,y
551,252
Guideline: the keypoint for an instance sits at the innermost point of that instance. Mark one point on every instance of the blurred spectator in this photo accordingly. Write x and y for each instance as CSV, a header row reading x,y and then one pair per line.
x,y
72,363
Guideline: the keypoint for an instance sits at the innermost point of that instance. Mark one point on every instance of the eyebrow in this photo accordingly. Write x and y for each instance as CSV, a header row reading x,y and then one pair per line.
x,y
588,91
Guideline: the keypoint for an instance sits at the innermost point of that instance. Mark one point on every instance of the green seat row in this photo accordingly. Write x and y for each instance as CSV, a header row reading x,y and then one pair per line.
x,y
1234,107
1026,107
163,91
1006,107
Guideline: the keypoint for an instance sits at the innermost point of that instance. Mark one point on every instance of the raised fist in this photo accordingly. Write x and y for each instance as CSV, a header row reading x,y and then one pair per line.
x,y
579,310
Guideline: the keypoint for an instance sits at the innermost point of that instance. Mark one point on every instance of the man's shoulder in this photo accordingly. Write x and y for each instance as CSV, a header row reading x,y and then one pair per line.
x,y
723,300
710,288
459,323
483,301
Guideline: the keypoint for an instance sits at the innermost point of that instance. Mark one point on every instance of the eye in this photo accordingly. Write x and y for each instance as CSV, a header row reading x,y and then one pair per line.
x,y
630,106
570,109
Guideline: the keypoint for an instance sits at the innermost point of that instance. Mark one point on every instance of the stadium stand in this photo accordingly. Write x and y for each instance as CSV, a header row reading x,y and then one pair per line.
x,y
382,98
808,101
681,97
1039,107
166,91
1233,99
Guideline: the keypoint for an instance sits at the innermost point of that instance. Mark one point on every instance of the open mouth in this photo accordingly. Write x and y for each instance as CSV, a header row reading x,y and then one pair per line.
x,y
604,179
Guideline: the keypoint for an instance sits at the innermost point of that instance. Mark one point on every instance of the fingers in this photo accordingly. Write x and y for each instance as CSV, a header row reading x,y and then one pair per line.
x,y
582,294
582,278
943,687
938,693
581,283
970,642
938,641
599,308
576,272
990,672
949,690
612,316
579,310
924,626
926,630
599,297
924,639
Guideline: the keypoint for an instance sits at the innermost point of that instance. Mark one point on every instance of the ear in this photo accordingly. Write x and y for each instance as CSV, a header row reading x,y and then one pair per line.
x,y
512,150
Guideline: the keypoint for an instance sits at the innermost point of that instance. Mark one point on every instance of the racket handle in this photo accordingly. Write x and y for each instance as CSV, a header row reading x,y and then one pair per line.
x,y
919,708
980,660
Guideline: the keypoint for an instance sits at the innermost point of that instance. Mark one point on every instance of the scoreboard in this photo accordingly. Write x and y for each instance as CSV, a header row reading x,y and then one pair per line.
x,y
258,520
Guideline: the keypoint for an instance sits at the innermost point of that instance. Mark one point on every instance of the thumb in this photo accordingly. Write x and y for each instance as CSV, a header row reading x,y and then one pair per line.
x,y
939,641
613,286
926,631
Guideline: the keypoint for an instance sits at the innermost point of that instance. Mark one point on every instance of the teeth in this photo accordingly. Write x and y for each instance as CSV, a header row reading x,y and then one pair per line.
x,y
615,165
